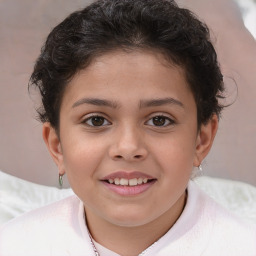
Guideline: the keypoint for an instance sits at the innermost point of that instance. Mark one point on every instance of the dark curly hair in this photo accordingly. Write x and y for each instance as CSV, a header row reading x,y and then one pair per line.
x,y
106,25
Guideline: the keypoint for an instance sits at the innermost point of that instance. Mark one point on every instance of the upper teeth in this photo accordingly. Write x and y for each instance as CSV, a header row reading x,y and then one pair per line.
x,y
126,182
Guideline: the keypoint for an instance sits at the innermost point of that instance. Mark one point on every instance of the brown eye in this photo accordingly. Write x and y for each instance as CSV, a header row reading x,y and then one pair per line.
x,y
160,121
96,121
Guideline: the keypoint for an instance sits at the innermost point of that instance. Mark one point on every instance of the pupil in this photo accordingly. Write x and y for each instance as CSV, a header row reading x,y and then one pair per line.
x,y
159,120
97,121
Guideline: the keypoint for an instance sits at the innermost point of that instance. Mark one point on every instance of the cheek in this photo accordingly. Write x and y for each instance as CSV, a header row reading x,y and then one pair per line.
x,y
81,164
176,153
82,157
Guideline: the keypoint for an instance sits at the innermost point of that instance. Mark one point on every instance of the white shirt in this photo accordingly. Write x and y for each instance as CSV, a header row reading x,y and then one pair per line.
x,y
204,228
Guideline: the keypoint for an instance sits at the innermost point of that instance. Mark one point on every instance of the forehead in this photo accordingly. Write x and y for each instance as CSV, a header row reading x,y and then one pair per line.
x,y
147,59
134,74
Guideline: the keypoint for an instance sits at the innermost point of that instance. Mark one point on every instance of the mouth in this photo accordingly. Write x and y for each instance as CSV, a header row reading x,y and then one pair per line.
x,y
128,183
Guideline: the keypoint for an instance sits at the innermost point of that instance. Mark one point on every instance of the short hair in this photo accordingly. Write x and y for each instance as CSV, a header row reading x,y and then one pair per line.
x,y
106,25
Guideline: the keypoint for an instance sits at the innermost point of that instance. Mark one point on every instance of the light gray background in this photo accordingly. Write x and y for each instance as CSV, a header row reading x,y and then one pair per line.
x,y
24,26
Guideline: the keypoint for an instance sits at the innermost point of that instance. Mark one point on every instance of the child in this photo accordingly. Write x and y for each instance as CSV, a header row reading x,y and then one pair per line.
x,y
130,106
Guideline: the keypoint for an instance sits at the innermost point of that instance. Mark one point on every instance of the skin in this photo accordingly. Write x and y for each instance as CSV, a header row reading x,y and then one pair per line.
x,y
129,140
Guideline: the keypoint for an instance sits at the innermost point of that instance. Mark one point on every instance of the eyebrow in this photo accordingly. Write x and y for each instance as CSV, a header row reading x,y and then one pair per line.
x,y
113,104
160,102
96,102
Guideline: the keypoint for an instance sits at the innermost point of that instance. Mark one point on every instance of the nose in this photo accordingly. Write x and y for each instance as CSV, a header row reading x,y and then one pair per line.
x,y
128,144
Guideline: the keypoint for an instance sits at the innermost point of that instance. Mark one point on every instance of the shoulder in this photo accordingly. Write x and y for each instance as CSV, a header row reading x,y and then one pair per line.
x,y
48,227
227,232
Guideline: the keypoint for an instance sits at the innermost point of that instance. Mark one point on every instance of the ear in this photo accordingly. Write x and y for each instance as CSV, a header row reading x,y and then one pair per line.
x,y
205,139
53,144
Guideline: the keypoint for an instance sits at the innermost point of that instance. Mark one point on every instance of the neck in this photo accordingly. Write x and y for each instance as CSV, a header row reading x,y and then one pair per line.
x,y
120,238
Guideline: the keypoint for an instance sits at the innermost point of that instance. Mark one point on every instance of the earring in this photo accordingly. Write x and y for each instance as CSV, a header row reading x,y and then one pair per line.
x,y
200,168
60,180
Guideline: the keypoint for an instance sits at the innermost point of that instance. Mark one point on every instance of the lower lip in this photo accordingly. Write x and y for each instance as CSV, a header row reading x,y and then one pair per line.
x,y
129,190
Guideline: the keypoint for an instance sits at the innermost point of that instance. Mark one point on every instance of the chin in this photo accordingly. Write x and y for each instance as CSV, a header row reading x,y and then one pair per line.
x,y
130,219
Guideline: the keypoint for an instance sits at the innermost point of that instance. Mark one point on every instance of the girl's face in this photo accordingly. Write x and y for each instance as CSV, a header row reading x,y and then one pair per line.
x,y
129,118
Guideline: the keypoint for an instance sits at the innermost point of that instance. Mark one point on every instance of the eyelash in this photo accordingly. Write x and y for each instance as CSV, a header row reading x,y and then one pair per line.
x,y
170,121
106,122
95,116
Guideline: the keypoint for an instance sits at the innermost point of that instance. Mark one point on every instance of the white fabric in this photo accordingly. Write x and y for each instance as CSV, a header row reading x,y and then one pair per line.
x,y
236,196
204,228
18,196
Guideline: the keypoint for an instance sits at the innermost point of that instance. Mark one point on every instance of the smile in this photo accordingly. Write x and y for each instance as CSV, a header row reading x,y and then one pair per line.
x,y
128,182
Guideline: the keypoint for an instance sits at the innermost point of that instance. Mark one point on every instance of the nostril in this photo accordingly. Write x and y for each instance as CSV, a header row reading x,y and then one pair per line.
x,y
134,157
